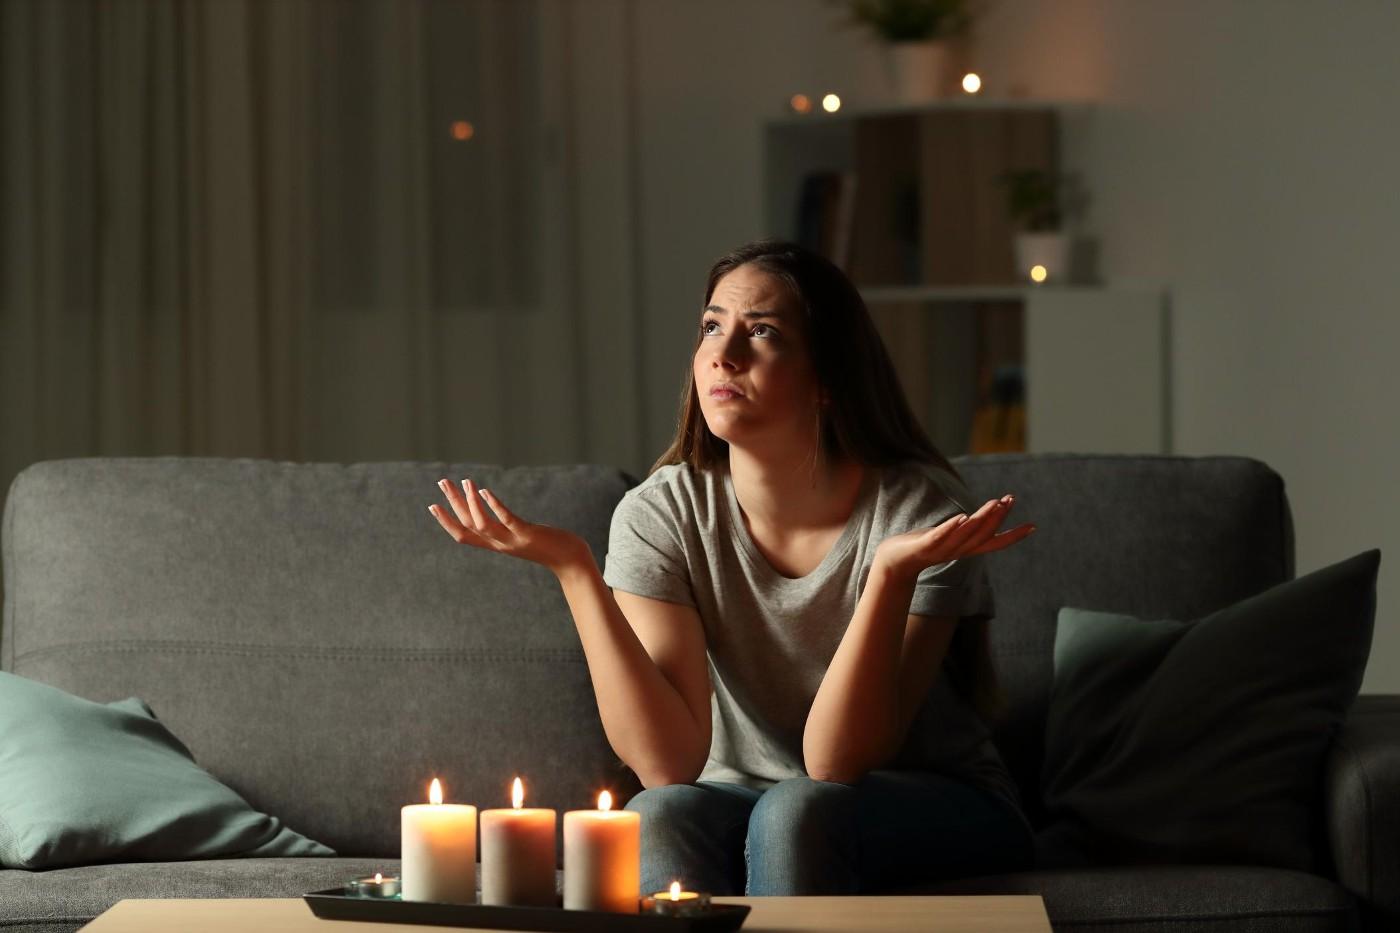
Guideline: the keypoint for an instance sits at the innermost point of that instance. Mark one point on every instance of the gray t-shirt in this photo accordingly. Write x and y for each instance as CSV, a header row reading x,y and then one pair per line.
x,y
680,537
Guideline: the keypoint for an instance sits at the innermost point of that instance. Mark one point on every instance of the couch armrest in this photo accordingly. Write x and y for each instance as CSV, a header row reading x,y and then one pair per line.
x,y
1362,788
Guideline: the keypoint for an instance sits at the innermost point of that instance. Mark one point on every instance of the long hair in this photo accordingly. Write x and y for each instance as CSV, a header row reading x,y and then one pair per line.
x,y
867,419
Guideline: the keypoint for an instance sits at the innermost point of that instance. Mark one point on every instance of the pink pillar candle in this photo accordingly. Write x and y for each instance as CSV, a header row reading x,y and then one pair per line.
x,y
518,855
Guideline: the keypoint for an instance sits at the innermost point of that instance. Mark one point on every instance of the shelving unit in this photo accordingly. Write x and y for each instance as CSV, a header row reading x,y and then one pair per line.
x,y
921,228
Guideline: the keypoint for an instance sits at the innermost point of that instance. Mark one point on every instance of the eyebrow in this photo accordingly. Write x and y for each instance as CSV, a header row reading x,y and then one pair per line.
x,y
747,314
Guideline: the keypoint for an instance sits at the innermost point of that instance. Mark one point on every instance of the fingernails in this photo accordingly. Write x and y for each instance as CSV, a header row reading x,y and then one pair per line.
x,y
442,484
961,519
486,494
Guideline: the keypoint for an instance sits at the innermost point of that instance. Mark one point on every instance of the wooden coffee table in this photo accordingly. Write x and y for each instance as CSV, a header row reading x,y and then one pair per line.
x,y
990,914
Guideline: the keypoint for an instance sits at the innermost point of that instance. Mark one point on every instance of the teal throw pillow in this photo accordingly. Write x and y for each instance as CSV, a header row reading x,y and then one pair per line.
x,y
1203,741
84,782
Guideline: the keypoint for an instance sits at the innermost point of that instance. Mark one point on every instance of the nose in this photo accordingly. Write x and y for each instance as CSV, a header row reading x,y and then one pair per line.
x,y
730,353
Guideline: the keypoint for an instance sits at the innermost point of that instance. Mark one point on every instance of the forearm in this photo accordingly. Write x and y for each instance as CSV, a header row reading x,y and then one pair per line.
x,y
644,717
854,723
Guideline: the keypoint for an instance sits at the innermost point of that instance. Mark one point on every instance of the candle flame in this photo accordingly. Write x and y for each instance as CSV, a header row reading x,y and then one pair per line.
x,y
605,801
435,792
675,890
378,878
517,794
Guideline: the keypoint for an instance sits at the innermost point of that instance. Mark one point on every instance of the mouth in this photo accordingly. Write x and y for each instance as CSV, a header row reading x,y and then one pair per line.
x,y
725,392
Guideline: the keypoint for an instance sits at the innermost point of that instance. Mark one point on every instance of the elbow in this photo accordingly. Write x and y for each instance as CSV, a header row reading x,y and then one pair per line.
x,y
662,774
835,774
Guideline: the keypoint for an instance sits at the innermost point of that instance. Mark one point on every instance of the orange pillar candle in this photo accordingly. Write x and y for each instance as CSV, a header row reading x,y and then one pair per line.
x,y
602,858
518,854
438,850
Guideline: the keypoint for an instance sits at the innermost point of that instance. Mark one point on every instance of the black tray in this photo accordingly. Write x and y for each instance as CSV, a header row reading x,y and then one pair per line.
x,y
335,904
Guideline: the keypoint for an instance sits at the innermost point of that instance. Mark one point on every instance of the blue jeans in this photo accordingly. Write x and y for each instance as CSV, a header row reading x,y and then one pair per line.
x,y
803,836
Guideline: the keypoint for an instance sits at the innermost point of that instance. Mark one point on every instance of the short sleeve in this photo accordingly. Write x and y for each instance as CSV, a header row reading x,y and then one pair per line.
x,y
645,556
959,588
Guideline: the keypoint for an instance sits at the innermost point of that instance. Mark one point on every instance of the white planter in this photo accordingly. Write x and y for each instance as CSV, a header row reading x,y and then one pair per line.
x,y
1050,250
918,70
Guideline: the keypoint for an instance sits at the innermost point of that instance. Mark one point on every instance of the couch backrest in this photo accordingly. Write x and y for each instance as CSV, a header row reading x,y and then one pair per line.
x,y
1152,536
311,633
323,648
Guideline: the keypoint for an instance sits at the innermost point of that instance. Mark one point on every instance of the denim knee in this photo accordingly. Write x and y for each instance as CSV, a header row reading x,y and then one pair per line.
x,y
800,839
667,802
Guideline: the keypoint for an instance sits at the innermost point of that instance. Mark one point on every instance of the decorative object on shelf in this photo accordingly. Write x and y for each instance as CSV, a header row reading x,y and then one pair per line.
x,y
1038,203
918,36
999,423
800,103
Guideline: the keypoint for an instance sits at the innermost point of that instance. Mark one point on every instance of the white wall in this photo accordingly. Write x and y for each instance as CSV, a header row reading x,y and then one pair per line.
x,y
1242,154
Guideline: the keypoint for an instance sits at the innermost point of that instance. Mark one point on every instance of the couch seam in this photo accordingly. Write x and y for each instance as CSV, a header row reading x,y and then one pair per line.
x,y
301,651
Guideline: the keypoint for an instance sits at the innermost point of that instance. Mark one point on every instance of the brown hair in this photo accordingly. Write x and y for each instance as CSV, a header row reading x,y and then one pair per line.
x,y
867,420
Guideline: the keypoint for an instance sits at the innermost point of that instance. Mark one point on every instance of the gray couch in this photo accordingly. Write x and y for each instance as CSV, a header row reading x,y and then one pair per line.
x,y
323,649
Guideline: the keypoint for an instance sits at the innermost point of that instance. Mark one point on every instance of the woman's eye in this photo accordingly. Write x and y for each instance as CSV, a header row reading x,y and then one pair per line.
x,y
705,326
762,327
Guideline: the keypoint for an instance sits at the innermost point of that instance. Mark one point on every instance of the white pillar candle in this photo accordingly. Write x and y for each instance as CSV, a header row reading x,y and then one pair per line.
x,y
438,857
518,854
602,858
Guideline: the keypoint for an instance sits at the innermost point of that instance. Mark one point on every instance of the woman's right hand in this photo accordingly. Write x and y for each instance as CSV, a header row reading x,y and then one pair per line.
x,y
503,532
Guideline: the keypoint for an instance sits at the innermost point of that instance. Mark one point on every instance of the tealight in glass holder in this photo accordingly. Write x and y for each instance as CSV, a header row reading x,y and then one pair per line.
x,y
676,903
380,886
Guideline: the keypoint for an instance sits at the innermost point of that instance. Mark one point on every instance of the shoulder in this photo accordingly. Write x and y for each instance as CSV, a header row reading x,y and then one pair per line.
x,y
673,493
917,493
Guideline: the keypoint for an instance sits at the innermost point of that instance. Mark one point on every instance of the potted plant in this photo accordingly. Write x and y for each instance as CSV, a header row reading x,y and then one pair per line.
x,y
917,34
1037,203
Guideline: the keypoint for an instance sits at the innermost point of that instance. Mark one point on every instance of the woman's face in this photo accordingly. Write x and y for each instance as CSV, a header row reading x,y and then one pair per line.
x,y
753,371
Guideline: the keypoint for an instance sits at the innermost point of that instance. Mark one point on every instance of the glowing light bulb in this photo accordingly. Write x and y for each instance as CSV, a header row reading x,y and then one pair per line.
x,y
831,103
800,103
1039,273
971,83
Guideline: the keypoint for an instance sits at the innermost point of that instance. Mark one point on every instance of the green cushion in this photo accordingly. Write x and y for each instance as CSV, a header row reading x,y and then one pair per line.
x,y
83,782
1203,741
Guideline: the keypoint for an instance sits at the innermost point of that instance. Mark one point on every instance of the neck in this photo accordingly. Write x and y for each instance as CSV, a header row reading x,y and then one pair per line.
x,y
787,493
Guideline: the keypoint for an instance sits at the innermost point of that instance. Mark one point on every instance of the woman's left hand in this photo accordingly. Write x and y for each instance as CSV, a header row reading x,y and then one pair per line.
x,y
908,554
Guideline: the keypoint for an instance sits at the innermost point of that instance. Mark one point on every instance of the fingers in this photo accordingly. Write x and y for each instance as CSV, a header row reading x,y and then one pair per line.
x,y
470,517
506,516
1004,540
450,524
480,520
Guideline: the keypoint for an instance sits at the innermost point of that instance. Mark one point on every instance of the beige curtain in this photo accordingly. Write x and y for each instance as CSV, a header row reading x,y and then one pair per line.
x,y
248,228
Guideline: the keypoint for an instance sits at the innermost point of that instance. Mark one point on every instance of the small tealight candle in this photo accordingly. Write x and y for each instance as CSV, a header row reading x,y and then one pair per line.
x,y
518,854
438,850
602,858
675,902
378,886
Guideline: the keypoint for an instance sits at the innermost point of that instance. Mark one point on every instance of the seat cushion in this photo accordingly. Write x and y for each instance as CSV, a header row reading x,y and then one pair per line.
x,y
1179,899
63,899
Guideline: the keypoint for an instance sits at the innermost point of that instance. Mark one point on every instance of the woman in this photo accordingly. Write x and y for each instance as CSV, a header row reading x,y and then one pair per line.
x,y
782,594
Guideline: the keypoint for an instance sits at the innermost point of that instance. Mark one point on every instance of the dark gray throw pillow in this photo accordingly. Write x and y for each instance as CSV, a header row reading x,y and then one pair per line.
x,y
84,782
1203,741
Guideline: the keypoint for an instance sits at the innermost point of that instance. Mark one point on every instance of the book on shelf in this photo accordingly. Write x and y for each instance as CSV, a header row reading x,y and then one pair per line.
x,y
826,214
